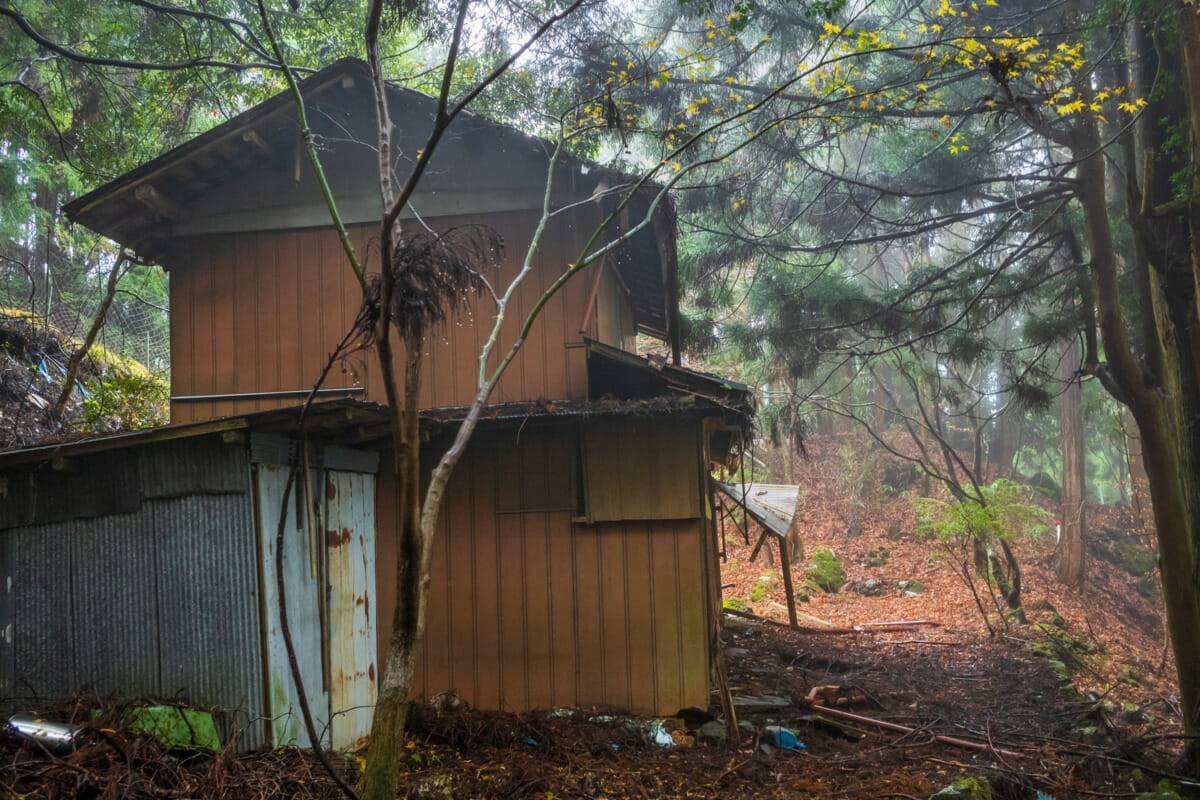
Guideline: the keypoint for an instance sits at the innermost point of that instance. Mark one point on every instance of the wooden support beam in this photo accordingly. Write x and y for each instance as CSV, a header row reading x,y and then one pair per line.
x,y
864,627
298,156
720,512
253,138
744,531
617,274
766,532
786,564
591,304
159,202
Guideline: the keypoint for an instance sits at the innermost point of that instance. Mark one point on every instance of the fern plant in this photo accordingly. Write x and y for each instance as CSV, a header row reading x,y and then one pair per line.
x,y
970,533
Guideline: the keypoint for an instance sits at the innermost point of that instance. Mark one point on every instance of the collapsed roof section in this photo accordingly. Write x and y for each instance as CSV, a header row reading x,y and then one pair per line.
x,y
771,505
252,173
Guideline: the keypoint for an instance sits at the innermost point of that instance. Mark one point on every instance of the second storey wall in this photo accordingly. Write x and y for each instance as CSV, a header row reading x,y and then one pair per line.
x,y
260,312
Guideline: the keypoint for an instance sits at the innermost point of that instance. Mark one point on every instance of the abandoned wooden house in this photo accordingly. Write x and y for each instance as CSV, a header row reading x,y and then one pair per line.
x,y
576,556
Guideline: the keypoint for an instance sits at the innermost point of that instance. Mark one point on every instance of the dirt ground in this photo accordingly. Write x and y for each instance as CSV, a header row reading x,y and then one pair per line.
x,y
1079,702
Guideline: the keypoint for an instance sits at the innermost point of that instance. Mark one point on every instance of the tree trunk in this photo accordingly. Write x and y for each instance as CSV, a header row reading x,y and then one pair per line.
x,y
1161,388
81,352
408,623
1069,554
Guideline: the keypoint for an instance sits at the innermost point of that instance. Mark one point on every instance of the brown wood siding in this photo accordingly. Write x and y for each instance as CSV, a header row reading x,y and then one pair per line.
x,y
260,312
530,610
614,317
634,468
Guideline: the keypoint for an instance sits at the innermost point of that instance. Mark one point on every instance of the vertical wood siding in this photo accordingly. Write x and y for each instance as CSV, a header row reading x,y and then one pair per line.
x,y
529,610
260,312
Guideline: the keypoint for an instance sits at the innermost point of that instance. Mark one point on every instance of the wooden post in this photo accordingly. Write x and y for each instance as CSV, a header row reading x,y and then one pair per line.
x,y
786,563
766,532
719,512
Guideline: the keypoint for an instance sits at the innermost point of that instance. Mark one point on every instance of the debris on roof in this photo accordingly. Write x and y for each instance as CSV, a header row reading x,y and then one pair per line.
x,y
771,505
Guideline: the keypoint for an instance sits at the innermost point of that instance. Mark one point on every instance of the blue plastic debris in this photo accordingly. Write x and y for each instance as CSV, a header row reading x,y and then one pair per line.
x,y
783,738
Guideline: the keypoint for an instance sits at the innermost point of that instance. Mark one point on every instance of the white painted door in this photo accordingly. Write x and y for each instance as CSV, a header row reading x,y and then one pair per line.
x,y
303,587
349,527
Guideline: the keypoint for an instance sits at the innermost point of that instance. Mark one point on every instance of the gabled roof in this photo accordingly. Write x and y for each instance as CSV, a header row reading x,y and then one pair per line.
x,y
251,173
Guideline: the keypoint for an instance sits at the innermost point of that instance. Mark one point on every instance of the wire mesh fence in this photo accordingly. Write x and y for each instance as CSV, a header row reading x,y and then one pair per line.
x,y
136,325
45,316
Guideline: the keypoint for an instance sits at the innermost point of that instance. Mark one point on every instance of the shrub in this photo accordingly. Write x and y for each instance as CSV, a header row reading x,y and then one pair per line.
x,y
124,400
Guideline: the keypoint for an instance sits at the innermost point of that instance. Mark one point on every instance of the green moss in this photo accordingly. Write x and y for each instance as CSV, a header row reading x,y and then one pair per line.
x,y
1164,791
876,558
1119,548
965,789
825,574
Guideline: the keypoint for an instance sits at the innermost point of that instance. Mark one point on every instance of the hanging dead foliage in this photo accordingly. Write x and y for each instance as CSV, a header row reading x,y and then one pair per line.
x,y
435,273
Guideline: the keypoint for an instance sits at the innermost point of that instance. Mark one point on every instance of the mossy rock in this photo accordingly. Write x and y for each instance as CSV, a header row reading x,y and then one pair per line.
x,y
965,789
825,573
1044,605
898,476
1119,548
736,603
914,586
876,558
1061,646
1047,486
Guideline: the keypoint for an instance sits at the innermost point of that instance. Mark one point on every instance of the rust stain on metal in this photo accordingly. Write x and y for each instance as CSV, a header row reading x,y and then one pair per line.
x,y
337,538
330,491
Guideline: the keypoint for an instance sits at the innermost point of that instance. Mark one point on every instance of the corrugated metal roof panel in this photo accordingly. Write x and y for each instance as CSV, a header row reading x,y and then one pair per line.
x,y
773,505
188,466
107,486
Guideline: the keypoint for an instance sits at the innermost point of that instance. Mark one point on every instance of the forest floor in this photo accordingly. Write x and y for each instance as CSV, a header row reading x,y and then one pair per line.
x,y
1080,701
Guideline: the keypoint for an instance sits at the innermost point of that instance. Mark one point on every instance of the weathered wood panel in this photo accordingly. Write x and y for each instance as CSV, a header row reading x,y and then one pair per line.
x,y
261,312
635,469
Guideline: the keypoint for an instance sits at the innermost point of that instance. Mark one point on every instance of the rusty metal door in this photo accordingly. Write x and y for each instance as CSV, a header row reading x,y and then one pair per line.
x,y
349,525
303,587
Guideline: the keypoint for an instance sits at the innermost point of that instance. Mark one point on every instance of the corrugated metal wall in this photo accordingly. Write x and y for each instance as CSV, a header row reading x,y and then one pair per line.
x,y
160,600
261,312
530,610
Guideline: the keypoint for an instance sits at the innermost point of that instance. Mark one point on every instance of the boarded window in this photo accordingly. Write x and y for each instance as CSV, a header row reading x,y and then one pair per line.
x,y
641,469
